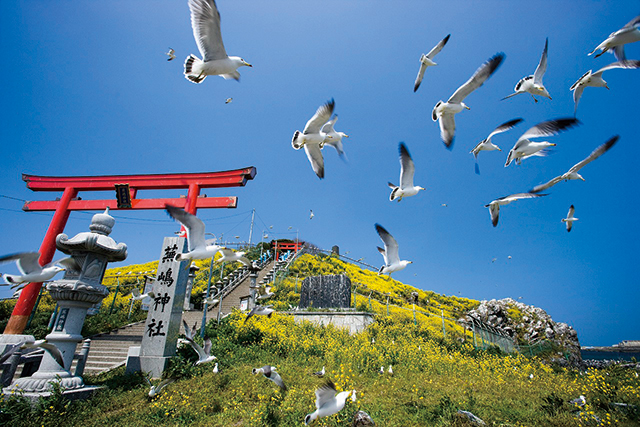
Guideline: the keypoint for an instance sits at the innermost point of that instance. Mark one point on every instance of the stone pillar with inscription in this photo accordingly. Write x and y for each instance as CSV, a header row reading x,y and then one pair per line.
x,y
75,293
165,312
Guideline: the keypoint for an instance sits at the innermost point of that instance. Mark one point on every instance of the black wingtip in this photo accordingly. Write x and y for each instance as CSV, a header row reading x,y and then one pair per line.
x,y
380,229
402,148
446,39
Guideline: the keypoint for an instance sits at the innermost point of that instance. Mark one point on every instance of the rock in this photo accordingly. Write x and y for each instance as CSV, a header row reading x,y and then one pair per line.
x,y
475,421
362,419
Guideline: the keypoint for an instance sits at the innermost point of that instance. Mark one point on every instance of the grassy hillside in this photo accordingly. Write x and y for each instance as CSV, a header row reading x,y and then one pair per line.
x,y
434,376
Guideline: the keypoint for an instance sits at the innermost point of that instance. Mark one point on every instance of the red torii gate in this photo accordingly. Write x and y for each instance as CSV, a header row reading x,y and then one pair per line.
x,y
72,185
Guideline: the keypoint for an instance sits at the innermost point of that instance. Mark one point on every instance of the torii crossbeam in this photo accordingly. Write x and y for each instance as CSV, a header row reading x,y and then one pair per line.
x,y
72,185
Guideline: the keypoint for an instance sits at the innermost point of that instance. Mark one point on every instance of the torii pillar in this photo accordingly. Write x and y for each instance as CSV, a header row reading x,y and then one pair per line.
x,y
71,186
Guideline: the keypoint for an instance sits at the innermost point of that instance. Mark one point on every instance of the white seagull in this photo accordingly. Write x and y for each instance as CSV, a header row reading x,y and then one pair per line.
x,y
270,373
328,402
199,248
311,214
407,169
332,137
392,261
48,347
215,368
156,389
212,300
524,148
204,354
260,310
628,34
570,218
267,292
319,373
171,55
533,84
312,138
494,206
136,295
31,271
228,255
205,21
596,80
487,145
444,111
427,61
573,172
390,370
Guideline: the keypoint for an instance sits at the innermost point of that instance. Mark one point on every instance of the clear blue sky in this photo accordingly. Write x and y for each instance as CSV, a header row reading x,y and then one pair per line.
x,y
88,90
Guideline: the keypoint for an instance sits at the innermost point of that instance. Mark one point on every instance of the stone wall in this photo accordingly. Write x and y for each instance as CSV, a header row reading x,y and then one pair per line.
x,y
355,321
332,291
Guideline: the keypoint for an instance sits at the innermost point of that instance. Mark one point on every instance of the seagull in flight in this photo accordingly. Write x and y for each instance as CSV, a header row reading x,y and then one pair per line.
x,y
136,295
525,148
260,310
427,61
156,389
228,255
407,169
596,80
48,347
444,111
204,354
628,34
270,373
570,218
332,137
312,138
573,172
487,145
32,272
311,214
199,248
533,84
392,261
328,402
205,21
494,206
171,55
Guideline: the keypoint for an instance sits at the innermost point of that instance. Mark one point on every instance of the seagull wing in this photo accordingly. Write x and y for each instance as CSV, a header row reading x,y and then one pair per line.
x,y
53,351
390,245
505,127
542,65
251,313
479,77
549,128
384,255
69,263
619,64
577,94
572,209
322,116
162,384
187,330
437,48
494,210
276,378
447,124
193,224
518,196
27,261
542,187
207,347
633,23
198,349
420,76
595,154
205,21
328,127
325,394
315,158
407,167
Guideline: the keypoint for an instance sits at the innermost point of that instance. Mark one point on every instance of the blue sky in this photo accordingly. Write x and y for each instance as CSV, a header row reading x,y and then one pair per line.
x,y
87,90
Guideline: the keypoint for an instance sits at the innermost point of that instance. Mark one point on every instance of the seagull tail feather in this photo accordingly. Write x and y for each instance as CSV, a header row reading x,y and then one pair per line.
x,y
191,64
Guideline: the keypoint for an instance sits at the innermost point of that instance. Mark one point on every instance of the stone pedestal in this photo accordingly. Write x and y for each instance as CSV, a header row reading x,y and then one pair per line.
x,y
326,292
165,312
78,291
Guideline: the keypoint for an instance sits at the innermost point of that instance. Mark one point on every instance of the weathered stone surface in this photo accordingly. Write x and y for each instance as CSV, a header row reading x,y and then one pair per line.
x,y
528,323
326,292
354,321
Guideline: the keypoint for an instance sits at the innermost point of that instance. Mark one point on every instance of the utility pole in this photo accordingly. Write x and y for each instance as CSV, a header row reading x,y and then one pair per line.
x,y
253,216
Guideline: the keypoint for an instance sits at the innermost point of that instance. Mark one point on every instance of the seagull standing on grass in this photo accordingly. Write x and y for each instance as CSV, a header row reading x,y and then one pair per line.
x,y
630,33
332,137
487,145
328,402
525,148
569,219
494,206
407,170
389,253
205,21
312,139
573,172
270,373
204,354
31,271
427,61
319,373
444,111
533,84
596,80
199,248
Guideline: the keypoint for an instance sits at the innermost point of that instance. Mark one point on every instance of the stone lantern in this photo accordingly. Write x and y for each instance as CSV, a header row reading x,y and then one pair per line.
x,y
75,293
193,269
